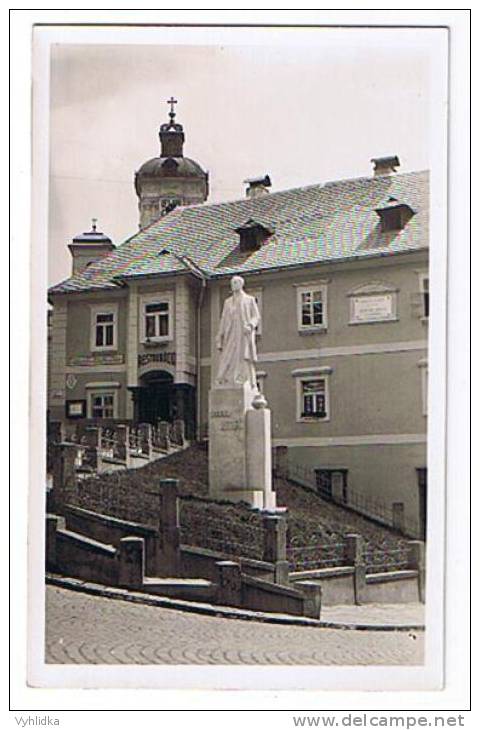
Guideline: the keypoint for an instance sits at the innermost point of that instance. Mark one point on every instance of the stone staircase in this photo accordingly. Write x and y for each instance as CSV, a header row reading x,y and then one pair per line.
x,y
102,549
103,449
118,563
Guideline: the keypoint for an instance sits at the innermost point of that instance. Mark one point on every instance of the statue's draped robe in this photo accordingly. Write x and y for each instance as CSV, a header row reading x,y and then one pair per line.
x,y
239,351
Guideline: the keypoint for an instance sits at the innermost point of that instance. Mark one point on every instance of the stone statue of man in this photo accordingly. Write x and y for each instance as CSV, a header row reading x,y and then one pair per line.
x,y
236,337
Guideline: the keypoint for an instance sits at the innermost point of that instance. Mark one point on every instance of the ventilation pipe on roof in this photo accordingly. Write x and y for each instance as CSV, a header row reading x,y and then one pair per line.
x,y
385,165
257,186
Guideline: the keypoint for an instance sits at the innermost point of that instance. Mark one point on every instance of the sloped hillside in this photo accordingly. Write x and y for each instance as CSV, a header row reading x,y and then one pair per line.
x,y
221,525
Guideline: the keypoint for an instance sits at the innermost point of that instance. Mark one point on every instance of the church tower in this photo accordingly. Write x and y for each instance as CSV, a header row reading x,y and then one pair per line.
x,y
165,182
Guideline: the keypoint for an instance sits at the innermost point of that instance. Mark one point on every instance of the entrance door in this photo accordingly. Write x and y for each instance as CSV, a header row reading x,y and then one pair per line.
x,y
155,399
422,501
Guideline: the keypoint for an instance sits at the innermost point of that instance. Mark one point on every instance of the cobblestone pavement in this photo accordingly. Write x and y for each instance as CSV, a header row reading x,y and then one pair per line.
x,y
84,629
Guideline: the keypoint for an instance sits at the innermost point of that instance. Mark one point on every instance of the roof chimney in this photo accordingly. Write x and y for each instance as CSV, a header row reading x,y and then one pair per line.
x,y
385,165
257,186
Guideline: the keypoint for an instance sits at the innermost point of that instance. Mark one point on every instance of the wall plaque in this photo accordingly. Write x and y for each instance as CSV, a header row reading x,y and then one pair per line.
x,y
373,308
76,408
104,358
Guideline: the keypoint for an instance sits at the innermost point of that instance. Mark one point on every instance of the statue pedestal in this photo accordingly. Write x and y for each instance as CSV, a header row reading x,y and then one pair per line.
x,y
239,459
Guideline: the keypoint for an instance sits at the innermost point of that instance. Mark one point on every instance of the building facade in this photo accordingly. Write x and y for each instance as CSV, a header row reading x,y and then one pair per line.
x,y
340,273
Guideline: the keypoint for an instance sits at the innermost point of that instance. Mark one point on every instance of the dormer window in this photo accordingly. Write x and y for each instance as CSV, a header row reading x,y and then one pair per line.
x,y
252,235
394,215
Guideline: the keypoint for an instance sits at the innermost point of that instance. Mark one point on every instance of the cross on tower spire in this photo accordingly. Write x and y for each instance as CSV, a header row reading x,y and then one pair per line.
x,y
172,101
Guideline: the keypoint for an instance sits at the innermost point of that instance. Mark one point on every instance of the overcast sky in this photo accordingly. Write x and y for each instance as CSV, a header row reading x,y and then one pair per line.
x,y
304,114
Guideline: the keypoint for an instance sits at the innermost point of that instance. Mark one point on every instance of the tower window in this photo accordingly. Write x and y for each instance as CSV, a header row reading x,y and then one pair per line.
x,y
170,204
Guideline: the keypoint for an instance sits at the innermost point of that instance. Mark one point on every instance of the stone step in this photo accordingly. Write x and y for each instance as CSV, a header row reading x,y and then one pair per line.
x,y
185,588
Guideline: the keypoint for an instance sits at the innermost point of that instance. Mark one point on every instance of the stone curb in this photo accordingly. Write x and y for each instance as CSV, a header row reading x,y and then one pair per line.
x,y
96,589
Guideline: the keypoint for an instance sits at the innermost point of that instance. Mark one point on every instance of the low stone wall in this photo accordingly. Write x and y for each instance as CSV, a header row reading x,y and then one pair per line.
x,y
260,595
202,562
343,586
338,584
82,557
111,530
399,587
136,462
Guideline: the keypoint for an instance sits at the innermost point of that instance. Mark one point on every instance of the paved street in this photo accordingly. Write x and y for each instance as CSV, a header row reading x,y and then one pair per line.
x,y
85,629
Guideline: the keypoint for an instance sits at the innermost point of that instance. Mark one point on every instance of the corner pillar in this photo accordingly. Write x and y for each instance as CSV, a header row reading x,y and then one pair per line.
x,y
229,581
275,546
170,526
354,557
131,562
416,561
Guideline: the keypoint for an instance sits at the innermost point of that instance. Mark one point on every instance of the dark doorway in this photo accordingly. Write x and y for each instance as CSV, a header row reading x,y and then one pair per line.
x,y
332,484
422,501
155,398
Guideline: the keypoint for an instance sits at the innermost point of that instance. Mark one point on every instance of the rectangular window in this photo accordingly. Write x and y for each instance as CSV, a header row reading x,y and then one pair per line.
x,y
157,318
312,308
104,328
104,324
102,405
313,398
424,284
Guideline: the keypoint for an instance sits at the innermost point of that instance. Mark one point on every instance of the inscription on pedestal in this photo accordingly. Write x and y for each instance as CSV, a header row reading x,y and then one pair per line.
x,y
227,461
231,426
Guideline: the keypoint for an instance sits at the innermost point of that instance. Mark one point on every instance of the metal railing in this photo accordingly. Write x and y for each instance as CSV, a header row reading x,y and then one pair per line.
x,y
385,559
311,557
110,446
231,537
374,508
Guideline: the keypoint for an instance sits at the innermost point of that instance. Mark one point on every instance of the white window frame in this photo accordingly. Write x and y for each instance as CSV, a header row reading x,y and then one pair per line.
x,y
95,393
159,298
306,375
310,288
424,276
95,310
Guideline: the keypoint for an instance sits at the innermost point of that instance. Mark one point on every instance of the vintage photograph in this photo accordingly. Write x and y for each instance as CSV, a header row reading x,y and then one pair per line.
x,y
239,262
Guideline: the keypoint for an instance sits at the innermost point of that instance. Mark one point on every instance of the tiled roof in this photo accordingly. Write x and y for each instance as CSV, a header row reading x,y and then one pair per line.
x,y
318,223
